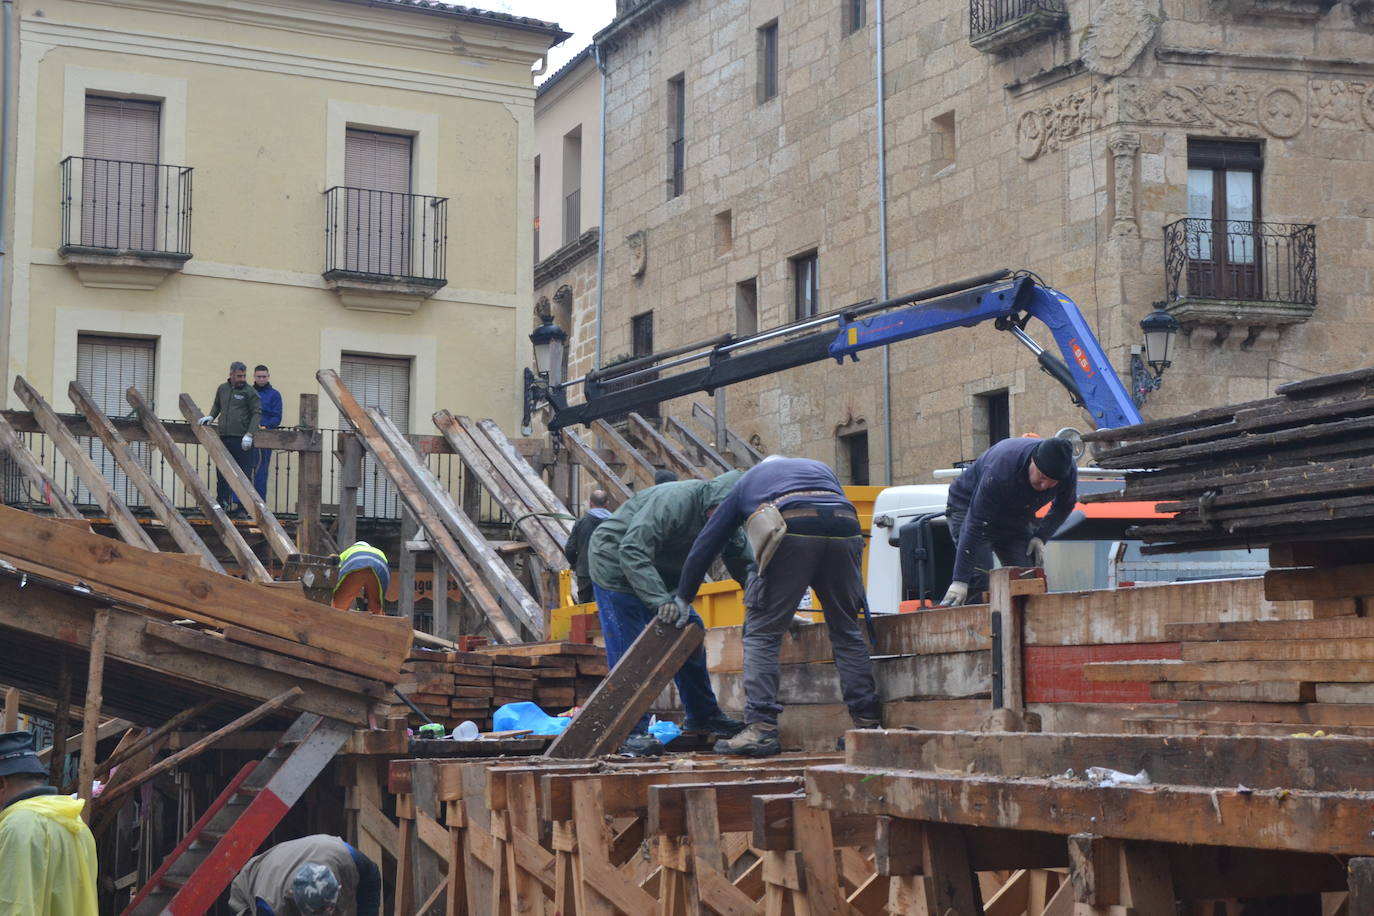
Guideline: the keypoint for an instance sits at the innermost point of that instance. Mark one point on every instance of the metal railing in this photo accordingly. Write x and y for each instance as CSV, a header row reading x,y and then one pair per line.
x,y
678,152
112,205
987,16
572,216
385,235
1240,259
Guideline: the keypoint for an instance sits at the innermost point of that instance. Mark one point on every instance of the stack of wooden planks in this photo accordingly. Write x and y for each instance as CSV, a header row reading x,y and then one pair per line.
x,y
1295,467
451,686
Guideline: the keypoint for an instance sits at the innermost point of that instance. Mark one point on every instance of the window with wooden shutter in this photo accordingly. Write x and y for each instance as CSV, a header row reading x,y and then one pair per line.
x,y
382,382
106,367
119,187
378,209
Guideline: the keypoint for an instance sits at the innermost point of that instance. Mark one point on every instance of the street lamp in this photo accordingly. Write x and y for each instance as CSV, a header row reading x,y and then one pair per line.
x,y
1160,329
545,383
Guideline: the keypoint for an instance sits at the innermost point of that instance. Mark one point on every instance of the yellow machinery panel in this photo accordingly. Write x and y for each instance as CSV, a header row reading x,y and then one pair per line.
x,y
720,604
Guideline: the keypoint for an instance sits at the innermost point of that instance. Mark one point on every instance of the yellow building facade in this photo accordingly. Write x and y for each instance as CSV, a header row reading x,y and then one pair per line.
x,y
297,183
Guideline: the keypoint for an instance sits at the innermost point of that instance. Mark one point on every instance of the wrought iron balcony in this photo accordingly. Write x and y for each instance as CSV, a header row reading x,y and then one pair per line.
x,y
998,24
572,217
385,236
126,209
678,162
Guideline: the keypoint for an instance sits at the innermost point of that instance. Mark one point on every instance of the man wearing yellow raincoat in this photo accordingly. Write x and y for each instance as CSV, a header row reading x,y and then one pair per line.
x,y
47,853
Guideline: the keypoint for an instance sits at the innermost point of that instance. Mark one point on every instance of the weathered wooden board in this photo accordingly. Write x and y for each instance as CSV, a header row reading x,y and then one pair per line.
x,y
1340,628
1167,670
1054,674
1278,650
948,676
1213,691
44,486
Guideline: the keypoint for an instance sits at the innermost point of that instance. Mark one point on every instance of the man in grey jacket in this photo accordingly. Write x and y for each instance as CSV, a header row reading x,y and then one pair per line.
x,y
311,876
238,409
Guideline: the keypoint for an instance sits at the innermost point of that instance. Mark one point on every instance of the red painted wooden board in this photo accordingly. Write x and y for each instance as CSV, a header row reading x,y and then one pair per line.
x,y
1054,674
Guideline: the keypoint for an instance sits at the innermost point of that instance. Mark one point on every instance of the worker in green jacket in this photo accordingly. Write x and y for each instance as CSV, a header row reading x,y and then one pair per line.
x,y
238,410
636,558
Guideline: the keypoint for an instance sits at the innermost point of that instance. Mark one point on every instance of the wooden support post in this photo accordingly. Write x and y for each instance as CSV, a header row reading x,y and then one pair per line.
x,y
897,846
11,722
439,598
406,598
176,524
310,481
1095,869
350,481
190,478
811,827
628,691
90,720
46,487
60,722
128,527
1007,588
1361,900
950,883
277,540
722,431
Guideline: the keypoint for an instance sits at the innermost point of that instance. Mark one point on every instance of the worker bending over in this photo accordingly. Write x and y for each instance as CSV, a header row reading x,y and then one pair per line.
x,y
318,875
992,507
636,559
804,534
363,572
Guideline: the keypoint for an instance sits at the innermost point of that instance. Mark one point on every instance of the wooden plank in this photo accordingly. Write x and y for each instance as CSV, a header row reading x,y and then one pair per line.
x,y
1345,628
816,849
516,462
229,534
1170,670
95,682
316,656
626,793
541,538
627,692
310,483
278,541
706,454
1054,674
1010,609
123,520
489,565
176,524
734,804
199,594
1345,693
745,454
505,627
1279,650
635,463
659,446
1264,692
950,885
45,486
616,490
1337,582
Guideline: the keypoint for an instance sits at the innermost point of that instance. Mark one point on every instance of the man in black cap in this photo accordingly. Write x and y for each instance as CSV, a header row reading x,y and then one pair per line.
x,y
992,505
47,853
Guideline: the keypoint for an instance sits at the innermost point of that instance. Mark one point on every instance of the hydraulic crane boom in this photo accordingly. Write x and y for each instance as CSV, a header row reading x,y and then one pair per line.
x,y
1009,301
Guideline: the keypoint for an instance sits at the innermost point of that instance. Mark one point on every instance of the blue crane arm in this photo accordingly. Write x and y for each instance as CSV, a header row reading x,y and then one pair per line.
x,y
1084,371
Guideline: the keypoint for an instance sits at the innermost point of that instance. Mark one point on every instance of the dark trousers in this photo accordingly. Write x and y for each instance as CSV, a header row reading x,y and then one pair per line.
x,y
623,617
243,457
828,558
1011,547
262,457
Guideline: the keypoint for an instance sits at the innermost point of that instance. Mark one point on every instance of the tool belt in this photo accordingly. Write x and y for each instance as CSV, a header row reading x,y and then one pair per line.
x,y
767,525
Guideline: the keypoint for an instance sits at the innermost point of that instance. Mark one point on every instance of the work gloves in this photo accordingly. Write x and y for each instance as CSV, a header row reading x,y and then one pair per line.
x,y
205,421
247,441
675,613
958,591
1036,551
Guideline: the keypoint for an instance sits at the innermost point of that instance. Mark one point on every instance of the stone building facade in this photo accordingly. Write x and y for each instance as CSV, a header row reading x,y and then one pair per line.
x,y
1214,155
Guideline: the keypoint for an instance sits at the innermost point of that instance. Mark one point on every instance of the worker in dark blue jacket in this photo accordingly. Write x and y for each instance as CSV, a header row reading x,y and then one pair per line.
x,y
992,505
804,533
271,419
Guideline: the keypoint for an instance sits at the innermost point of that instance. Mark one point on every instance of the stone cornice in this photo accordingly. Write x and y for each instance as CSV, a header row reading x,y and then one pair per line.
x,y
645,13
567,257
1297,63
1045,78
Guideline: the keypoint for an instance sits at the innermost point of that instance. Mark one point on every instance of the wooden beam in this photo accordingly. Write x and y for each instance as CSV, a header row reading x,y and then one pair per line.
x,y
745,454
664,450
204,744
627,692
11,721
152,737
689,438
350,453
229,535
291,440
310,482
489,565
176,524
635,463
125,523
57,763
95,681
517,463
592,463
19,453
278,541
505,627
1338,582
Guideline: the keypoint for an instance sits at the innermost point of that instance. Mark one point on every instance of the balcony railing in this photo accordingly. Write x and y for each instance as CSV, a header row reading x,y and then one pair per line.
x,y
138,208
678,153
385,236
572,216
995,24
1240,260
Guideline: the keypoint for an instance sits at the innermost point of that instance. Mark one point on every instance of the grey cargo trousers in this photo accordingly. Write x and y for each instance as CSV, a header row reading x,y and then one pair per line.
x,y
831,564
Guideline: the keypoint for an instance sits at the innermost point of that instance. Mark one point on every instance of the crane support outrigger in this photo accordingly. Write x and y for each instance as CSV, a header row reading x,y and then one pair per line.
x,y
1007,299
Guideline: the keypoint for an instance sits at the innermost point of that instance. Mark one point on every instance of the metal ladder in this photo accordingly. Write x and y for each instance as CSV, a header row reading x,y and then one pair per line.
x,y
230,831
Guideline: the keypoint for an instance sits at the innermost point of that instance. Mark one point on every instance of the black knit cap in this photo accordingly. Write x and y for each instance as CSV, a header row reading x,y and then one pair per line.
x,y
1054,458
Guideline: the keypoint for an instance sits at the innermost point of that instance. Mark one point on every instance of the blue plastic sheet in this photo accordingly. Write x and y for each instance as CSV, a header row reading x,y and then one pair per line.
x,y
518,716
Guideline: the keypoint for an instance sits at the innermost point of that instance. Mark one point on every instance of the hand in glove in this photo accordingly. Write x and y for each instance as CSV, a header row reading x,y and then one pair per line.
x,y
247,441
675,613
958,591
1036,551
205,421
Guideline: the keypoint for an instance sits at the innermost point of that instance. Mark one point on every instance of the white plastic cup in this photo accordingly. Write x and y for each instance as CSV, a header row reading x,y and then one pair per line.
x,y
466,730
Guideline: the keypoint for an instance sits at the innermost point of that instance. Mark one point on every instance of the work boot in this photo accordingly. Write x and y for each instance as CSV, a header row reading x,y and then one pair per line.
x,y
758,739
641,745
859,722
718,724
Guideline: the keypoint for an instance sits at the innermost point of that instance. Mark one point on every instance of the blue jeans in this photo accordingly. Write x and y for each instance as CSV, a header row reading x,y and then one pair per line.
x,y
623,617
